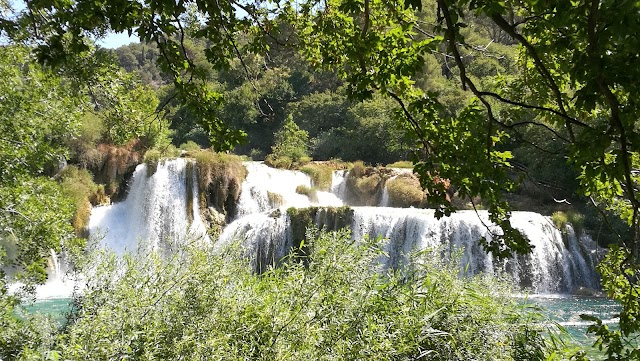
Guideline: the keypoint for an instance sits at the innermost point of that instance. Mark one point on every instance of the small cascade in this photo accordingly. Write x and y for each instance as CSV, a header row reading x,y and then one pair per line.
x,y
267,188
384,200
155,211
339,184
265,238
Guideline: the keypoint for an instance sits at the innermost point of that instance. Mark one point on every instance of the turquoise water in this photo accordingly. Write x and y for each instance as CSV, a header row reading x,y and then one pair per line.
x,y
565,310
56,308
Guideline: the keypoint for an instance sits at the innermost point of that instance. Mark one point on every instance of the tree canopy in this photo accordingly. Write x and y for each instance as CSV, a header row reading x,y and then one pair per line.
x,y
560,71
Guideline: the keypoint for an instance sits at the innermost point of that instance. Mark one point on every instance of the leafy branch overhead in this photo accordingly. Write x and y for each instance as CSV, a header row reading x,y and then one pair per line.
x,y
556,76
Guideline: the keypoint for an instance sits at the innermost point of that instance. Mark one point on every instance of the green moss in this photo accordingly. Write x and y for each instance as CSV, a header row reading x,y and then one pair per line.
x,y
405,191
326,218
151,159
401,164
334,218
301,219
220,178
321,175
311,193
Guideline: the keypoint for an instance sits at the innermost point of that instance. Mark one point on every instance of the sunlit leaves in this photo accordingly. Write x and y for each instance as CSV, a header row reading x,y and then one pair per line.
x,y
203,304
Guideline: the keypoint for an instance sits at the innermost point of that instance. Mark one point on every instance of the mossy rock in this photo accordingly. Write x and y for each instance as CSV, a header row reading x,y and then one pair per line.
x,y
405,191
365,184
311,193
220,178
321,175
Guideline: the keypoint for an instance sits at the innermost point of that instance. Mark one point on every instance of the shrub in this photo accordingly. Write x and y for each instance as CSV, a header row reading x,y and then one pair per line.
x,y
321,175
336,306
368,184
170,151
364,184
311,193
282,162
256,154
190,146
290,142
576,219
405,191
560,219
151,159
357,169
78,185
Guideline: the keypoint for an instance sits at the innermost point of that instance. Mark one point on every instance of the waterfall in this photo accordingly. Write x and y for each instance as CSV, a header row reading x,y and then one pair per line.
x,y
155,210
556,264
158,211
339,184
267,188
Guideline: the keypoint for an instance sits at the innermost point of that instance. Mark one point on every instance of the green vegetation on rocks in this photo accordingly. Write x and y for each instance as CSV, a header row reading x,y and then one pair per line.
x,y
78,185
311,193
220,178
365,184
321,175
405,191
151,159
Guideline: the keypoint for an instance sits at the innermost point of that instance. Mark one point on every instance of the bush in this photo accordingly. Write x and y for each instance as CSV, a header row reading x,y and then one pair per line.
x,y
151,159
78,185
405,191
190,146
560,219
256,154
357,169
321,175
365,184
283,162
209,305
291,143
576,219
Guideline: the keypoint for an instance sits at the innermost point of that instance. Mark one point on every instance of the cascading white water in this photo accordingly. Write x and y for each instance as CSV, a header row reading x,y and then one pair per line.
x,y
556,264
154,211
267,188
339,184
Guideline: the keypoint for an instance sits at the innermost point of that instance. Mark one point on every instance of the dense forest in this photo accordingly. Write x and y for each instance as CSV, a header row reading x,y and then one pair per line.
x,y
517,105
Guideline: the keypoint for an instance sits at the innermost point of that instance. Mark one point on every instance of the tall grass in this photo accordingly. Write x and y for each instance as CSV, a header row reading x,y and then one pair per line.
x,y
336,305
